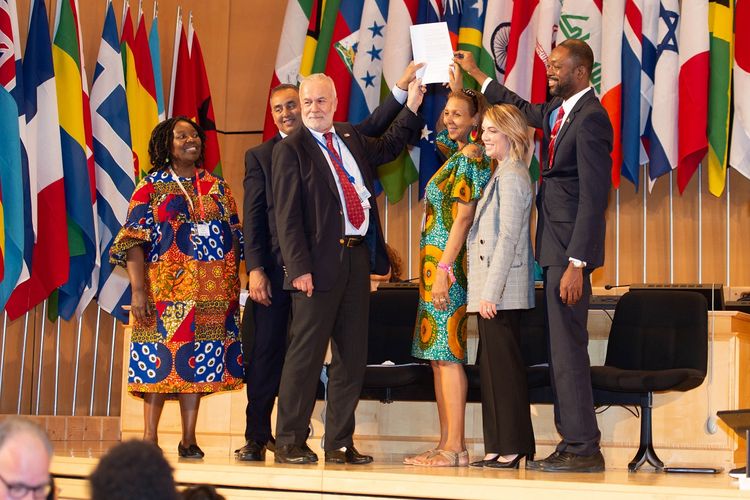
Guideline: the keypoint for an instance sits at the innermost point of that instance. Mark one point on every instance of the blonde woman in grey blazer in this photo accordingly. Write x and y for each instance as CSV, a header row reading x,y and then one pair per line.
x,y
500,285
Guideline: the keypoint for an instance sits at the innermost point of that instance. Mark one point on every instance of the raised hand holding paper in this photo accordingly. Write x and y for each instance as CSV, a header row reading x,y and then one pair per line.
x,y
431,44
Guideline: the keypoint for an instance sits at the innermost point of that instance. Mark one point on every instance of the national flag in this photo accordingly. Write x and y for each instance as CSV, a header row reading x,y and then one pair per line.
x,y
740,153
720,24
50,254
326,26
78,162
204,104
398,174
470,33
140,90
613,14
367,71
114,164
632,49
649,33
582,20
314,28
289,53
693,89
11,193
155,50
662,128
495,38
182,87
17,236
531,34
341,54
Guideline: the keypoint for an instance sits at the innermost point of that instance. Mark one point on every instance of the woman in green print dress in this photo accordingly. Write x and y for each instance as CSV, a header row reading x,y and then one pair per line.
x,y
440,334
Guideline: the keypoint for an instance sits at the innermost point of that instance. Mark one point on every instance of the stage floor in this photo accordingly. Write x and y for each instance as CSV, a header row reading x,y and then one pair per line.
x,y
387,478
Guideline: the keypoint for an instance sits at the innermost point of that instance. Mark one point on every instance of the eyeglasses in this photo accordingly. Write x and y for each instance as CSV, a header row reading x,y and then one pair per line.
x,y
20,490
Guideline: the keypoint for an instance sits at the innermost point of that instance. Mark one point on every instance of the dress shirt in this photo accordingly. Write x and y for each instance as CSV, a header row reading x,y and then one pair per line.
x,y
351,167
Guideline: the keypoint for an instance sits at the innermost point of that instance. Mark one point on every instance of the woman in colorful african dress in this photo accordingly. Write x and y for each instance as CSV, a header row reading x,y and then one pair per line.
x,y
181,246
440,334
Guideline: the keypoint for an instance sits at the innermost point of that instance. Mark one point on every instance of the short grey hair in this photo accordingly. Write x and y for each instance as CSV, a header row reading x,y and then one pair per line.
x,y
16,426
318,77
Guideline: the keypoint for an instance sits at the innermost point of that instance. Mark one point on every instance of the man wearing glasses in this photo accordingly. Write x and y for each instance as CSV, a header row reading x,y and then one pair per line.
x,y
25,456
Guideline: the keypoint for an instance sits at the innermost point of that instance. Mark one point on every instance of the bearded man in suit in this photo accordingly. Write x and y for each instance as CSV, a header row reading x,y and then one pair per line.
x,y
330,238
571,205
266,319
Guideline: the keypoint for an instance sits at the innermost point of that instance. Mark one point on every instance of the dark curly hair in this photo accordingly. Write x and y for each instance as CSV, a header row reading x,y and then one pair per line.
x,y
133,469
160,144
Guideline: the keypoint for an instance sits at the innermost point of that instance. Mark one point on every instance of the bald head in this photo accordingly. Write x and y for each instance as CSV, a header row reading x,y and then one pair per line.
x,y
25,455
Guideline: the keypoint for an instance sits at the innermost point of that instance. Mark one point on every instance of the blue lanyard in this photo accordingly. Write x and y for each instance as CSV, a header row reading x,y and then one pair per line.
x,y
332,156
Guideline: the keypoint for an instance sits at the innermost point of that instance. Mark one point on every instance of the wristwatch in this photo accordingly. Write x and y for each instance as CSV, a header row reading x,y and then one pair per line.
x,y
578,264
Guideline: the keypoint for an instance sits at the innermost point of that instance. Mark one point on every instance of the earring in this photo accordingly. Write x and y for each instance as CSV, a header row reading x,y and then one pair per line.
x,y
474,134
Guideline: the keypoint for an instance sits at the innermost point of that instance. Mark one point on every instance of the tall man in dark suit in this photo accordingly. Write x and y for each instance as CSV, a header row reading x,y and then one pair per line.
x,y
571,204
266,318
330,238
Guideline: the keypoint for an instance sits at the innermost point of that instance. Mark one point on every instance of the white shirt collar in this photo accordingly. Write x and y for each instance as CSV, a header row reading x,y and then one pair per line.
x,y
282,134
569,103
320,135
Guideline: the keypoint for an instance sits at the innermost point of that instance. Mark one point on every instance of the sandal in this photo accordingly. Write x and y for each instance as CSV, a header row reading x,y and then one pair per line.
x,y
418,459
454,459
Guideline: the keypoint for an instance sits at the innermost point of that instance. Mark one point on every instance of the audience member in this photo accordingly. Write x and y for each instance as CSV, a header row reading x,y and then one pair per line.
x,y
25,456
133,469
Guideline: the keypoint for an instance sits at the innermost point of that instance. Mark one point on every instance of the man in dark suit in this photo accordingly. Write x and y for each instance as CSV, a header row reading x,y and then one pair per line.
x,y
330,238
266,318
571,205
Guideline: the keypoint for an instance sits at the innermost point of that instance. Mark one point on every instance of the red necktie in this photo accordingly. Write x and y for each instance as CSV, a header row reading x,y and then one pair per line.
x,y
553,136
354,210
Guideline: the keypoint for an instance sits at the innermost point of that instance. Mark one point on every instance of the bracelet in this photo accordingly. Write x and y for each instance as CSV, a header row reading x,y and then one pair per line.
x,y
448,268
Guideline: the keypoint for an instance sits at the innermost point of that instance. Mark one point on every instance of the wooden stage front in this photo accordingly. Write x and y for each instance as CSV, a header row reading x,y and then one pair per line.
x,y
387,478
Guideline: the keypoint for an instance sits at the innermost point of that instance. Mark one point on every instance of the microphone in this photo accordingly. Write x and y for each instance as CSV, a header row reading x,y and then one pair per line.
x,y
610,287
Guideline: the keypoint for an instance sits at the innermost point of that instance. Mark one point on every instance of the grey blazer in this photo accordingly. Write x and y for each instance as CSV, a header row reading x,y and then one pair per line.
x,y
500,258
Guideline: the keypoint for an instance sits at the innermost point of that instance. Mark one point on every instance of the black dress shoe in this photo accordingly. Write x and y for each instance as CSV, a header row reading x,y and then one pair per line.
x,y
563,461
500,464
348,455
271,444
738,472
293,454
253,451
191,451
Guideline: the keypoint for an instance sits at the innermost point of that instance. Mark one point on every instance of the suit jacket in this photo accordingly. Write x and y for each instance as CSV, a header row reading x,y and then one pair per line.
x,y
259,226
500,261
309,215
573,194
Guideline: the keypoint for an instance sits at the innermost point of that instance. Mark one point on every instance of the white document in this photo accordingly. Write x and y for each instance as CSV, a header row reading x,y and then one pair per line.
x,y
431,44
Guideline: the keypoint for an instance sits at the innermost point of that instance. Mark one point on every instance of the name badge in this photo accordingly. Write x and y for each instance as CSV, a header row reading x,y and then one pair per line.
x,y
203,230
364,196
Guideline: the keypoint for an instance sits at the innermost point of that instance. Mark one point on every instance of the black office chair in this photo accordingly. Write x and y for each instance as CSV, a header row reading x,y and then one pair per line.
x,y
658,342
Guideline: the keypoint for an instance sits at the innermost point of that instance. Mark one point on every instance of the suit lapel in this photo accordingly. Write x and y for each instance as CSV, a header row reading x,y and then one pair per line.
x,y
571,116
319,160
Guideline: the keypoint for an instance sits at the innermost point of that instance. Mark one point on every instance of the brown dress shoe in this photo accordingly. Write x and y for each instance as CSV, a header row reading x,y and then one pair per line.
x,y
293,454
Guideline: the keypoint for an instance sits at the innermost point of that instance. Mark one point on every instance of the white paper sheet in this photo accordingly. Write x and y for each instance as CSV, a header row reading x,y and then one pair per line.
x,y
431,44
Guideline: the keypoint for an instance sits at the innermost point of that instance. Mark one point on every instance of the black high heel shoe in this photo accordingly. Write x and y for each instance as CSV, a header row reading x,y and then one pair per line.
x,y
498,464
191,451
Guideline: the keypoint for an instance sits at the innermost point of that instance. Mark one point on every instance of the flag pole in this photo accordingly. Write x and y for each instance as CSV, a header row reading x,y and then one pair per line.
x,y
177,28
96,355
23,361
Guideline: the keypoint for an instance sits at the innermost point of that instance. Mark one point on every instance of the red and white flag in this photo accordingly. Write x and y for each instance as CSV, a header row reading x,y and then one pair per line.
x,y
613,15
739,156
693,88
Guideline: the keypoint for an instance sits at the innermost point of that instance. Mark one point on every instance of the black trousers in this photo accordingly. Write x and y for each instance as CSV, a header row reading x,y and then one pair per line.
x,y
506,417
570,367
264,338
341,315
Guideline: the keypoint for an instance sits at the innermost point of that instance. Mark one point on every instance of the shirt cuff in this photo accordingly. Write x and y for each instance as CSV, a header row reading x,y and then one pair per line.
x,y
577,262
486,84
399,94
